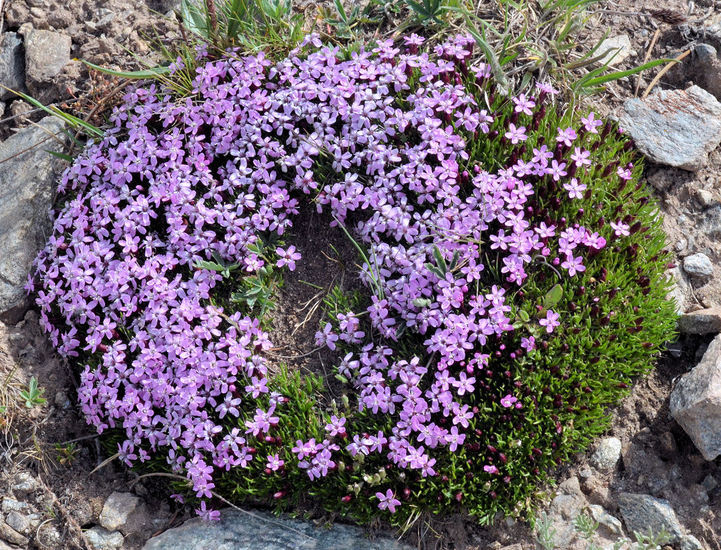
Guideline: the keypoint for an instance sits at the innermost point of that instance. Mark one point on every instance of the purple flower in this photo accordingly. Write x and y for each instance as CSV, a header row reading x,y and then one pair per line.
x,y
274,463
550,321
508,401
207,514
575,189
620,229
573,265
388,501
566,136
516,134
326,337
287,257
523,104
590,123
336,426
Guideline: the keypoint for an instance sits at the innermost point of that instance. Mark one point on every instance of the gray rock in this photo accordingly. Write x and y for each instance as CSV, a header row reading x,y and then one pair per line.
x,y
12,505
607,454
118,509
585,473
10,535
27,187
61,400
12,64
25,483
704,321
567,506
689,542
707,69
644,513
679,289
674,127
619,49
695,402
698,265
711,222
102,539
164,6
18,110
563,511
49,536
571,486
705,52
599,514
706,198
18,522
709,483
261,531
46,53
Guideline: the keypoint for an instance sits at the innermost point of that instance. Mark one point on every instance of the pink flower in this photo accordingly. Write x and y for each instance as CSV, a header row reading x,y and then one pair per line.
x,y
575,189
550,321
624,173
524,104
546,87
388,501
516,134
573,265
274,462
590,123
490,469
566,136
620,229
207,514
508,401
581,157
287,257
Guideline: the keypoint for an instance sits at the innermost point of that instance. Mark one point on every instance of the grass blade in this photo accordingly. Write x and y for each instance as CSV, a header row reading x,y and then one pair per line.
x,y
73,121
142,74
597,81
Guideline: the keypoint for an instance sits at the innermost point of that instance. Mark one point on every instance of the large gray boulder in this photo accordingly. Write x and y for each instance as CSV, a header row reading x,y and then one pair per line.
x,y
237,530
27,189
695,402
674,127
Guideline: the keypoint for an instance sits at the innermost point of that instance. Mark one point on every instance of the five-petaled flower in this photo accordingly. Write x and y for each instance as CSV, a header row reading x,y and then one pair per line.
x,y
388,501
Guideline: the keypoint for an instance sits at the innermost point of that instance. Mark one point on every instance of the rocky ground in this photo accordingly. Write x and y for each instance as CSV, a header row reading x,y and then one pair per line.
x,y
658,467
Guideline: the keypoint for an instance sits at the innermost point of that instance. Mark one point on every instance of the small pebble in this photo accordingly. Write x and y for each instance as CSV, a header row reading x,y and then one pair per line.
x,y
709,483
607,454
698,265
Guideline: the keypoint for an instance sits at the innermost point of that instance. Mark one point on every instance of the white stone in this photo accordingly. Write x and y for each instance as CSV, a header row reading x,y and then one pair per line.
x,y
618,47
698,265
607,454
102,539
117,510
599,514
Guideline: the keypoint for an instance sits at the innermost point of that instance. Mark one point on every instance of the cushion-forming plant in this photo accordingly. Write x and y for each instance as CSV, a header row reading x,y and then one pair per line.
x,y
513,270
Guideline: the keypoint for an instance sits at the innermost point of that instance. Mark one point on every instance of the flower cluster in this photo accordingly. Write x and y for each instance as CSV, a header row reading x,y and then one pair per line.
x,y
386,142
